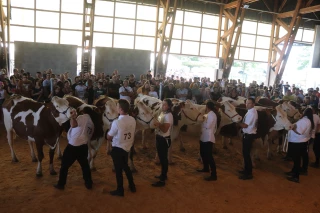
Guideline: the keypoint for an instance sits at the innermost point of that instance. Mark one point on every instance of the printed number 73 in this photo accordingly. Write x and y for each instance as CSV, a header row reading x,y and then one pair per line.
x,y
127,135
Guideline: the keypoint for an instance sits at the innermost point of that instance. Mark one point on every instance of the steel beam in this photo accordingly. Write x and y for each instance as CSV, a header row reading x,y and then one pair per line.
x,y
169,14
87,35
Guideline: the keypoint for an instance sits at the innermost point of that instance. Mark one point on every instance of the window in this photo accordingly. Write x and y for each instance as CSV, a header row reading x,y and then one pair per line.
x,y
177,31
263,42
179,17
48,5
247,40
125,10
22,17
102,39
210,21
71,21
74,6
144,43
299,35
71,37
308,35
146,28
191,33
175,46
261,55
123,41
236,54
208,49
264,29
146,13
124,26
249,27
189,47
193,19
104,8
47,19
47,36
103,24
21,34
22,3
209,35
282,32
246,53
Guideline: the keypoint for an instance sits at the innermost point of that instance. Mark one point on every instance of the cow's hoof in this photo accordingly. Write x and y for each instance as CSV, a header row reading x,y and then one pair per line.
x,y
93,169
15,160
34,160
133,170
39,175
53,172
182,149
225,147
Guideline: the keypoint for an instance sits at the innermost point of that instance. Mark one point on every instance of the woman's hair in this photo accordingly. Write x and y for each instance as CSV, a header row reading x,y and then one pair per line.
x,y
96,120
309,114
170,104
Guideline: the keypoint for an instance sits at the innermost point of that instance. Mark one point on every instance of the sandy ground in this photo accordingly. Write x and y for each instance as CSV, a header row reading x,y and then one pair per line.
x,y
186,191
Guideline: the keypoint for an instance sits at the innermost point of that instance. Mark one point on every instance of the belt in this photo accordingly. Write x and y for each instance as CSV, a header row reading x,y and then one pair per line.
x,y
167,137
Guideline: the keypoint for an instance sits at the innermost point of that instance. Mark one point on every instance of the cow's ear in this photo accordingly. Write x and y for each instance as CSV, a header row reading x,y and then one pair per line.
x,y
53,110
182,104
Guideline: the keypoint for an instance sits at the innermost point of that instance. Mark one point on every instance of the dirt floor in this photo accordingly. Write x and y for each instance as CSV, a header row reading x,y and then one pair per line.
x,y
186,191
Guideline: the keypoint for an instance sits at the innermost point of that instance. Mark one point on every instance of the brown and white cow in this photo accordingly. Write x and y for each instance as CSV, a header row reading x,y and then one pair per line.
x,y
37,123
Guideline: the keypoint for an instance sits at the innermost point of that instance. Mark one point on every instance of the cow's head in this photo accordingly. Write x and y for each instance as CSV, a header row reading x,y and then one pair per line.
x,y
291,111
144,115
110,113
60,109
190,113
281,120
230,111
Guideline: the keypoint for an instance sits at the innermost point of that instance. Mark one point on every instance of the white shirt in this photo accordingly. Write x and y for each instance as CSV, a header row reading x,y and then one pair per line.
x,y
153,94
123,131
316,121
209,127
183,91
251,119
81,90
304,128
81,134
125,89
165,118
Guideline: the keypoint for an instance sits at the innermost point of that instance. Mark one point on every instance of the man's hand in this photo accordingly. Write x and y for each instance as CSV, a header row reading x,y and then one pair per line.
x,y
73,114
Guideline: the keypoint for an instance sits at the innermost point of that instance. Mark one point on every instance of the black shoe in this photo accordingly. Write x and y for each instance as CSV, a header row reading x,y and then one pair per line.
x,y
314,165
57,186
211,178
117,193
88,186
133,188
202,170
242,172
293,179
159,177
159,184
245,177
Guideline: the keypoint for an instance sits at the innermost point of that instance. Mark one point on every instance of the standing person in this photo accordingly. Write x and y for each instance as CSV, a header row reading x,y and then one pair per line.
x,y
298,139
163,139
122,135
249,129
207,141
316,136
126,92
80,133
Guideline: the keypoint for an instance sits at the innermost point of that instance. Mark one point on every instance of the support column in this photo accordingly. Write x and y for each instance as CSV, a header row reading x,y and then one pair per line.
x,y
315,63
87,35
169,14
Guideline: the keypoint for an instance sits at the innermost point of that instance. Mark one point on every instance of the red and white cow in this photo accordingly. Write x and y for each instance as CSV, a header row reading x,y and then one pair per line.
x,y
37,123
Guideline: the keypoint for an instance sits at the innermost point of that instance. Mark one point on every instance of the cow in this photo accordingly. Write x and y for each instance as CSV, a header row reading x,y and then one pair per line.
x,y
37,123
98,136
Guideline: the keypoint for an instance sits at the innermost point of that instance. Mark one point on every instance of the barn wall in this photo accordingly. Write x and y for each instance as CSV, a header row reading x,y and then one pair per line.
x,y
127,61
34,57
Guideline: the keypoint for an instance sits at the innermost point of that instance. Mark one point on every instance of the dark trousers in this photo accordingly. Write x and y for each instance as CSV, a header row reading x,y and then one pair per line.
x,y
299,151
120,161
316,147
70,155
207,157
247,141
163,145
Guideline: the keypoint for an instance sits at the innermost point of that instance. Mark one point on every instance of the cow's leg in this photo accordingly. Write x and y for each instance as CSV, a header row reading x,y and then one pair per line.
x,y
170,156
59,151
33,156
108,148
182,149
51,167
39,146
224,142
10,142
91,154
130,161
144,146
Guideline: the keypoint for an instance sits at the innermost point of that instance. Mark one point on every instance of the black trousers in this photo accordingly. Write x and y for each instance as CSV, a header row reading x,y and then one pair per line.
x,y
163,145
70,155
247,141
120,162
316,147
207,157
299,151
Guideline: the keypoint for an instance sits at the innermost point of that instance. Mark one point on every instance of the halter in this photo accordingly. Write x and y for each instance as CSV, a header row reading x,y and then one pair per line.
x,y
194,120
293,114
64,112
146,122
110,120
230,116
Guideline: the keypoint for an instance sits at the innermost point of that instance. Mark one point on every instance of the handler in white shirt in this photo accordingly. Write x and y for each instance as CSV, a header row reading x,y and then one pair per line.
x,y
207,141
122,135
125,91
298,139
249,129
